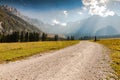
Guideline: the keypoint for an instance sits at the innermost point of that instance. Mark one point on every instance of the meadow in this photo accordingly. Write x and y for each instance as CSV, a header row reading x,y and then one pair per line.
x,y
114,45
15,51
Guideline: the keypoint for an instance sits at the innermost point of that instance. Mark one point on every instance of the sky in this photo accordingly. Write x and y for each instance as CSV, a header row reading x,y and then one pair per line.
x,y
44,4
64,11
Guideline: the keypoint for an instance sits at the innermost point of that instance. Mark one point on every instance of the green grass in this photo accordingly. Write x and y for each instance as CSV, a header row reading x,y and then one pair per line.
x,y
114,45
15,51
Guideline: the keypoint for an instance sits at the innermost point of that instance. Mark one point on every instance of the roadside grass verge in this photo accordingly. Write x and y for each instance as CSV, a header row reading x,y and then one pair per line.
x,y
16,51
114,45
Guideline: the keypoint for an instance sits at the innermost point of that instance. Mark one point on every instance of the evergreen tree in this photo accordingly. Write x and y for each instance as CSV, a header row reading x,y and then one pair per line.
x,y
36,36
26,37
56,37
44,37
68,38
72,37
22,37
95,38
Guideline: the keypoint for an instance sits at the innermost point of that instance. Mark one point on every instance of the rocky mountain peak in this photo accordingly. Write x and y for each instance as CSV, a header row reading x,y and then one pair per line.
x,y
10,9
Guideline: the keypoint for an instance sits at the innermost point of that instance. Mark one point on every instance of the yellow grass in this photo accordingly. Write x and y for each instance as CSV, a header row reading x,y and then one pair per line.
x,y
14,51
114,45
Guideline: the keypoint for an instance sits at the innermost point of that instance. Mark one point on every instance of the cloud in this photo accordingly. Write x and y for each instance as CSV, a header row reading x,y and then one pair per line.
x,y
65,13
98,7
64,24
80,13
111,13
84,8
56,22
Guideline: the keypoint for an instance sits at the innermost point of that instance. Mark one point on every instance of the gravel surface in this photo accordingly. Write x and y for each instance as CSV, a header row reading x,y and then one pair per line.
x,y
84,61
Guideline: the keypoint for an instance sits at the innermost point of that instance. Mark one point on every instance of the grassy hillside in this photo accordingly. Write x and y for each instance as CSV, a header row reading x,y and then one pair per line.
x,y
114,45
14,51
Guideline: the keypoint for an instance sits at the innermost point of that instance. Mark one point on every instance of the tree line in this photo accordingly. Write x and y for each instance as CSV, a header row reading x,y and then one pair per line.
x,y
27,37
19,37
70,38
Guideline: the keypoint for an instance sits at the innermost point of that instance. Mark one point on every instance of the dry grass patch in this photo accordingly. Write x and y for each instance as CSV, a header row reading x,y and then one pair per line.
x,y
15,51
114,45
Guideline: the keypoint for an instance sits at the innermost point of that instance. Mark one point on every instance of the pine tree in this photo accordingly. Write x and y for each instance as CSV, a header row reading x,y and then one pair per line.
x,y
44,37
22,36
68,38
72,37
26,37
95,38
56,38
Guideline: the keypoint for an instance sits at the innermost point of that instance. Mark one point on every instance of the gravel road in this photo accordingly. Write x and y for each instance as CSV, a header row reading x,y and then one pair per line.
x,y
84,61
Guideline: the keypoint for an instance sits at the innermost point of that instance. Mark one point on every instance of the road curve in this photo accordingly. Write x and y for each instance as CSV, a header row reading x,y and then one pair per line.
x,y
84,61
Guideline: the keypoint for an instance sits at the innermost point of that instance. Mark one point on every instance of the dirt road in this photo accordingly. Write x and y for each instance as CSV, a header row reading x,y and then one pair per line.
x,y
84,61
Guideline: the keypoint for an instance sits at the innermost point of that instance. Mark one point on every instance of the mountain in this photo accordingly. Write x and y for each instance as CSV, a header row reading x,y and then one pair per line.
x,y
107,31
15,12
91,26
11,22
47,28
98,26
10,9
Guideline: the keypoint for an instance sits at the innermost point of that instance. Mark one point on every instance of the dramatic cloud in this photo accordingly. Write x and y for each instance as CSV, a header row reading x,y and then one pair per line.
x,y
56,22
98,7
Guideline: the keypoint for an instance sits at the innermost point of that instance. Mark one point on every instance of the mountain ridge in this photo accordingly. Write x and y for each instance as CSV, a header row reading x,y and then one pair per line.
x,y
87,27
11,22
91,25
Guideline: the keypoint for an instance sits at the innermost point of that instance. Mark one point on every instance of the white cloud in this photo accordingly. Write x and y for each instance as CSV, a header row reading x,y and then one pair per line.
x,y
56,22
64,24
65,13
98,7
80,13
84,8
111,13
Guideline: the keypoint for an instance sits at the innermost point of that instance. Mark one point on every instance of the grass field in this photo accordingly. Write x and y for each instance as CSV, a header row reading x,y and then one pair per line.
x,y
15,51
114,45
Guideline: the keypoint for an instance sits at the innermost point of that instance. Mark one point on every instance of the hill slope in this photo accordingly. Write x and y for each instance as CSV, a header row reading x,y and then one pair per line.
x,y
10,22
